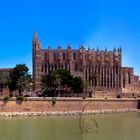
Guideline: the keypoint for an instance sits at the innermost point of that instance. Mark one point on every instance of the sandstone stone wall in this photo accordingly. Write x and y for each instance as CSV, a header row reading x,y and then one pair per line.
x,y
65,104
132,90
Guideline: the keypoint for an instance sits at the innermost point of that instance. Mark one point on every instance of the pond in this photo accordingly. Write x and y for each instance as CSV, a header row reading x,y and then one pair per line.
x,y
121,126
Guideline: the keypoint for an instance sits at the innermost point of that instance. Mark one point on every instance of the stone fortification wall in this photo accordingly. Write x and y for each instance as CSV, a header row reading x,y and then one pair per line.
x,y
66,104
132,90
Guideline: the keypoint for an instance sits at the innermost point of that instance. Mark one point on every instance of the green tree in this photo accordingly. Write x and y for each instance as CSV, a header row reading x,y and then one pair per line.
x,y
66,81
61,80
23,84
20,70
77,84
65,76
50,83
4,79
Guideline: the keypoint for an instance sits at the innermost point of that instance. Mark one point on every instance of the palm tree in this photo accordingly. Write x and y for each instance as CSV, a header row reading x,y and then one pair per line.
x,y
61,80
23,84
51,82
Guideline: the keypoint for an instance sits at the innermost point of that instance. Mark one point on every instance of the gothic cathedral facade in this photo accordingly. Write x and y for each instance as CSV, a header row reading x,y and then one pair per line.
x,y
111,75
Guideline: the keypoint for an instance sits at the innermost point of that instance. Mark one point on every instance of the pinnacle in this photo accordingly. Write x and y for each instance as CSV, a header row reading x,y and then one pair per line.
x,y
35,35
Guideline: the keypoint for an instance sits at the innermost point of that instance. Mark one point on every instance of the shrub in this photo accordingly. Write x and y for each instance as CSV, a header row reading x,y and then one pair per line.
x,y
20,98
53,101
5,99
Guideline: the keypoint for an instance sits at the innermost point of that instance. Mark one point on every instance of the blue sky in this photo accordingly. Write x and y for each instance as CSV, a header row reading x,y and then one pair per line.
x,y
102,23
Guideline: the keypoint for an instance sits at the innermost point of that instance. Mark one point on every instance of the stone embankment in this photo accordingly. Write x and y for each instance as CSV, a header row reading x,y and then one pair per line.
x,y
66,113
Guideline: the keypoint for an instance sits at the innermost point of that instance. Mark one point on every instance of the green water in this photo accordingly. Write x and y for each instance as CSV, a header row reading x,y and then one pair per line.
x,y
111,127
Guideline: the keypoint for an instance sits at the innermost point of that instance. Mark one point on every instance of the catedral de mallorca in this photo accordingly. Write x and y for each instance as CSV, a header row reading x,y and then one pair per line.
x,y
112,79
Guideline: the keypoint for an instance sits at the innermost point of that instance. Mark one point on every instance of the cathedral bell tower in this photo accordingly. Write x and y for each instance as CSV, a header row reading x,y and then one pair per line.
x,y
36,49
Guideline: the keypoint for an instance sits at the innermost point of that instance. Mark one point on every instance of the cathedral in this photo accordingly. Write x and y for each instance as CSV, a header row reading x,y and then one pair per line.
x,y
112,78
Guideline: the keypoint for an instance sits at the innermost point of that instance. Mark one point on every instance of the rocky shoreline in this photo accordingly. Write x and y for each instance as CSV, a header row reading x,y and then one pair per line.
x,y
65,113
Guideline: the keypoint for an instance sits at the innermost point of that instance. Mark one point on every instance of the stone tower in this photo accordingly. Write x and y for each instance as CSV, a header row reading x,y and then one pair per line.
x,y
36,54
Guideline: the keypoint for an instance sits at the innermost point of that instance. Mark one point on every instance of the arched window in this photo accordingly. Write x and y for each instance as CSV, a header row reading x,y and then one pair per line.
x,y
102,67
42,67
95,81
129,78
74,55
45,56
64,56
116,70
123,80
76,67
54,56
66,66
45,67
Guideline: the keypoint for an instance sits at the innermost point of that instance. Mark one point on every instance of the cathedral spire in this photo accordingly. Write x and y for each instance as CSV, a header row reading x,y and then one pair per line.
x,y
97,48
40,44
35,43
120,49
105,49
115,49
35,36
